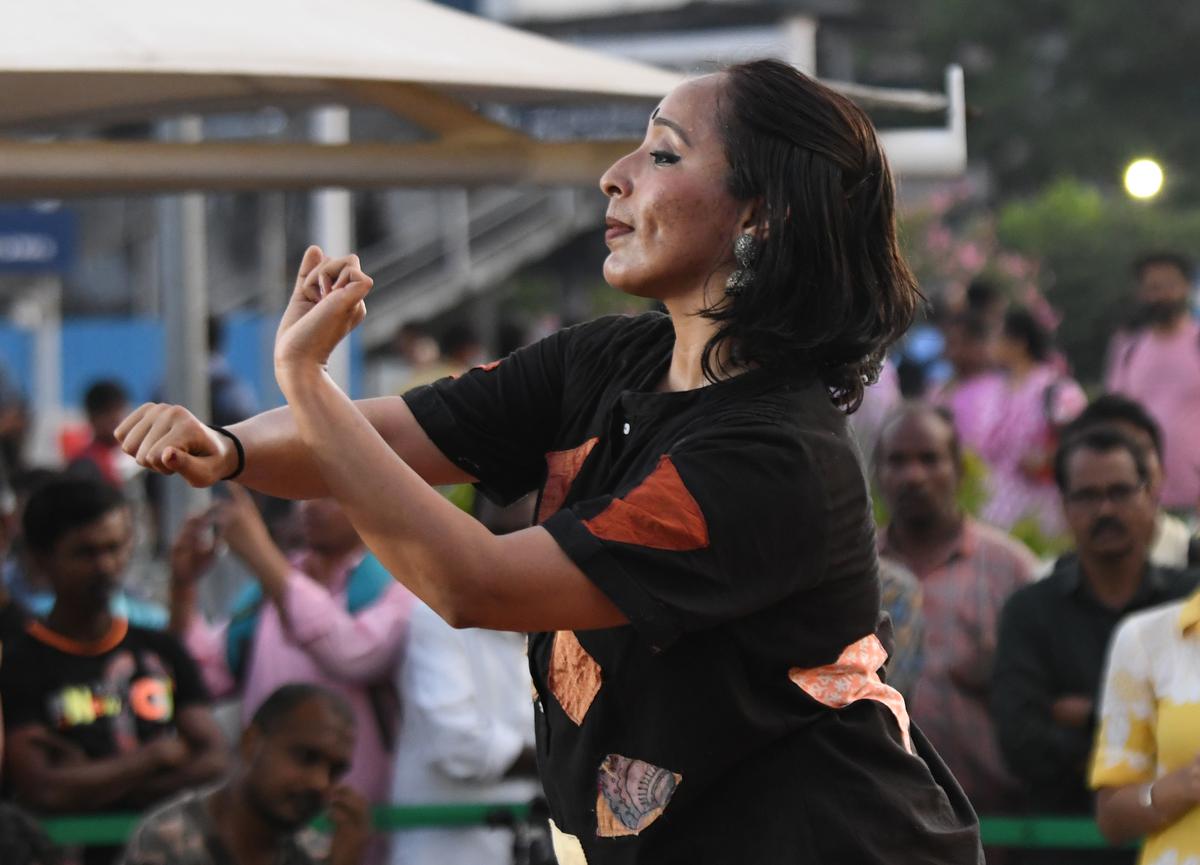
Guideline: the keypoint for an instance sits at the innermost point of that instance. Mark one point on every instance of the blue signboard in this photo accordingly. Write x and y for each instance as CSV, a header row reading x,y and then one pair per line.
x,y
36,241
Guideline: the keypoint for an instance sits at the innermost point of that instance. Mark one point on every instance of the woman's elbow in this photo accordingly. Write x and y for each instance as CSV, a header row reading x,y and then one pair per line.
x,y
459,607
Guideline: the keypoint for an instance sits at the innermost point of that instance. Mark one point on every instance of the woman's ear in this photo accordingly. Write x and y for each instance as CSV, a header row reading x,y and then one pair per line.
x,y
752,219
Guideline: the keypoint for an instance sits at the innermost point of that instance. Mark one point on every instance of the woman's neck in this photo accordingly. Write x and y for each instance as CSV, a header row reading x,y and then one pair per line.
x,y
692,333
1019,370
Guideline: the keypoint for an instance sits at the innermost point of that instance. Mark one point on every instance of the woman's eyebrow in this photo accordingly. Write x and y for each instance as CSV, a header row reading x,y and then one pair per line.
x,y
670,124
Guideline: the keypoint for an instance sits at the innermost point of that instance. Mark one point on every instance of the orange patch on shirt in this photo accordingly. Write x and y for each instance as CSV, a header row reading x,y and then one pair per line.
x,y
853,677
574,677
659,513
562,469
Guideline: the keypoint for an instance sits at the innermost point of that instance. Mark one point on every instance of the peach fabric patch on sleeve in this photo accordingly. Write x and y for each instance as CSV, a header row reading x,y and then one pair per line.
x,y
567,848
574,677
632,795
562,469
853,677
658,513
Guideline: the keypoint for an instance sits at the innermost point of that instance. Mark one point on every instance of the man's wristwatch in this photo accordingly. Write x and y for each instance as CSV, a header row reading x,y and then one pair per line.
x,y
1146,796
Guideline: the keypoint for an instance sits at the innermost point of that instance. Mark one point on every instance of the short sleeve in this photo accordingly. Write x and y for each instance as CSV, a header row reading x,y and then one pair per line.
x,y
1126,752
496,422
189,686
19,688
722,526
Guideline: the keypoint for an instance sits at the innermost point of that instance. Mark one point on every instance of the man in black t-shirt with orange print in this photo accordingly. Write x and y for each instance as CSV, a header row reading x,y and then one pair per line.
x,y
99,715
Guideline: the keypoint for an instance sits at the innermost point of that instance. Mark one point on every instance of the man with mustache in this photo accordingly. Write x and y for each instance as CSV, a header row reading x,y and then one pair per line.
x,y
1054,634
1157,362
290,763
967,570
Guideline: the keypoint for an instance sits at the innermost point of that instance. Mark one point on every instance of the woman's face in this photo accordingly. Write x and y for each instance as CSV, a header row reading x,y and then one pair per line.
x,y
1010,351
671,222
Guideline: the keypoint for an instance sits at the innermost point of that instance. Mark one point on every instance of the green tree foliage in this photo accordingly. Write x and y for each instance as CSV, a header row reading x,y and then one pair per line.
x,y
1056,87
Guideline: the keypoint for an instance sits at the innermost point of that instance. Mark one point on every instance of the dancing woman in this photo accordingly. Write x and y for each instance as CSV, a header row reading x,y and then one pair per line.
x,y
701,588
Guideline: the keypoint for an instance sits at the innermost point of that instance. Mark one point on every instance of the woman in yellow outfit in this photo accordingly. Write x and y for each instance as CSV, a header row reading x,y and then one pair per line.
x,y
1146,769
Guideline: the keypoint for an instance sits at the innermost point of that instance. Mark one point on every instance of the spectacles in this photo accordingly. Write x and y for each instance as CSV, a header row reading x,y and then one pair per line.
x,y
1092,497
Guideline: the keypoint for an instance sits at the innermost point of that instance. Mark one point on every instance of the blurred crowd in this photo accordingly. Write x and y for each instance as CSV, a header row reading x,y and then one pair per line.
x,y
1036,543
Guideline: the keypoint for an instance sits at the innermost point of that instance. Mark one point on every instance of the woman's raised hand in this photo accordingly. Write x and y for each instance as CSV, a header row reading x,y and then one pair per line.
x,y
326,305
169,439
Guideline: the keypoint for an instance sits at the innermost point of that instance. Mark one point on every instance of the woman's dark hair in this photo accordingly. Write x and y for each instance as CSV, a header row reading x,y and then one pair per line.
x,y
831,289
1021,325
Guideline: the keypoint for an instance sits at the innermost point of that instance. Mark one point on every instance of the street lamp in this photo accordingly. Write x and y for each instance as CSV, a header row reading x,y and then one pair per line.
x,y
1143,178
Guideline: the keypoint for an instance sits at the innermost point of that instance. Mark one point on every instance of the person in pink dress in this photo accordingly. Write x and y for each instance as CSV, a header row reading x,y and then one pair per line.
x,y
1037,400
975,393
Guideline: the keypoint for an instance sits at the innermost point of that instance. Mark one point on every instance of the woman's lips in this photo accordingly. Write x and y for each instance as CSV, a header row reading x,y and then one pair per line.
x,y
616,228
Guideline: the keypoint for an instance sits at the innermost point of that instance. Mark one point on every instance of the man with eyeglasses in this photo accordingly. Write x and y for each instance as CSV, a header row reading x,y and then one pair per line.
x,y
1054,634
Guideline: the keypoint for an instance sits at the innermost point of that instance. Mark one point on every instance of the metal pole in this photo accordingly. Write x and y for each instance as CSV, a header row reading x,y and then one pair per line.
x,y
40,310
184,285
333,219
273,288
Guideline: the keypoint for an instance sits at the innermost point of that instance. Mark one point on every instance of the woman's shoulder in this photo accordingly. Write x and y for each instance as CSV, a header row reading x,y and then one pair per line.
x,y
616,349
623,328
798,427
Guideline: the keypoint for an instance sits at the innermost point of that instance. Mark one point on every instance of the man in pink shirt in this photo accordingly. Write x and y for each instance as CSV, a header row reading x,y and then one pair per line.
x,y
1158,364
328,615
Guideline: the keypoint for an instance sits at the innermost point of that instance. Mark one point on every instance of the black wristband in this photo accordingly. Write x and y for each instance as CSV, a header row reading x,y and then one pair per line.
x,y
241,451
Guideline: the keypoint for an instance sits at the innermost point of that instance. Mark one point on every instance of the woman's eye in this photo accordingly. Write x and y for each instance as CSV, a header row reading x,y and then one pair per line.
x,y
663,157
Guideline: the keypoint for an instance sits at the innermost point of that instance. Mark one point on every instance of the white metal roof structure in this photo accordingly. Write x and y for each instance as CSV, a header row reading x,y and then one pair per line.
x,y
74,64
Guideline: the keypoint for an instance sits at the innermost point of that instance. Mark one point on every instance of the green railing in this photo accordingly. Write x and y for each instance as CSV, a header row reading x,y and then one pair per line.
x,y
1036,832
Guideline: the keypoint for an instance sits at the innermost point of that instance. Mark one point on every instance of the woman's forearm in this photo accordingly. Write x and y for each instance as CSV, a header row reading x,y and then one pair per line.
x,y
429,544
280,463
1122,813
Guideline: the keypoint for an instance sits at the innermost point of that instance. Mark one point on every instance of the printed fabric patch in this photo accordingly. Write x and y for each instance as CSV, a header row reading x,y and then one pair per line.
x,y
633,794
659,513
574,677
562,467
853,677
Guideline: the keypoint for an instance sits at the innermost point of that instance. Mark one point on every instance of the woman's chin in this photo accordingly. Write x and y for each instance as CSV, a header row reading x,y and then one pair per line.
x,y
626,282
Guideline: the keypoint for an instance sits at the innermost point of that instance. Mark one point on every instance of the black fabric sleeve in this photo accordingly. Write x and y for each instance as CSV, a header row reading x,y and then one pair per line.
x,y
189,685
727,523
21,697
497,421
1036,749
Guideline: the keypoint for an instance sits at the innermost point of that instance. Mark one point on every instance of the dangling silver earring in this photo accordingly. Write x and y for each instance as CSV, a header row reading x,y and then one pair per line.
x,y
745,251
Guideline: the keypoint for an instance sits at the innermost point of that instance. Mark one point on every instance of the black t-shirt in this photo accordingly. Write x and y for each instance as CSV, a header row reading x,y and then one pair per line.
x,y
12,625
739,717
107,697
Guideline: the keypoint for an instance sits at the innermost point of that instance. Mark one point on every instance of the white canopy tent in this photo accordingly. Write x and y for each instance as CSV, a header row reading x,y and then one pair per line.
x,y
70,65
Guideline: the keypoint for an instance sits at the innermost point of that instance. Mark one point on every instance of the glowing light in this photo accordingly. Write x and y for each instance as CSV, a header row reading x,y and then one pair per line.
x,y
1143,178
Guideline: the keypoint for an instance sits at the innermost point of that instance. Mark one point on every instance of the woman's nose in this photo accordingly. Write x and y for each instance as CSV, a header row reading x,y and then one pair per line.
x,y
616,181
